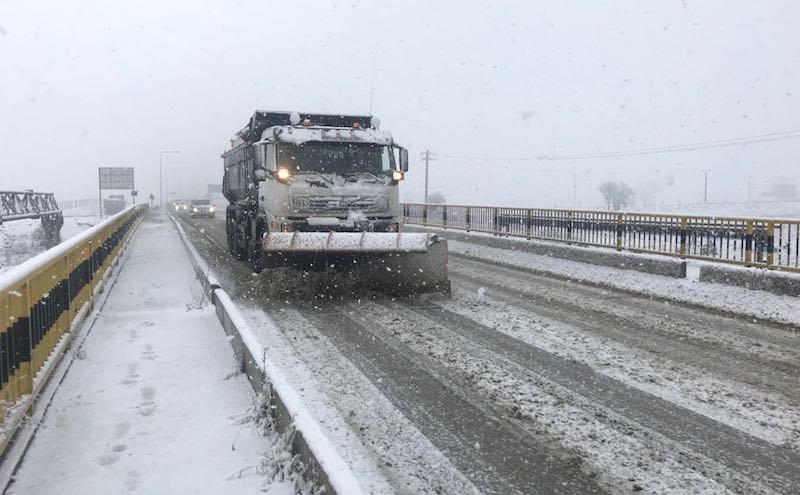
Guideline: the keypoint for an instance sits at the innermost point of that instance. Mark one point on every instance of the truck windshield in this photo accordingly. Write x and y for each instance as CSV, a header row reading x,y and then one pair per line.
x,y
336,158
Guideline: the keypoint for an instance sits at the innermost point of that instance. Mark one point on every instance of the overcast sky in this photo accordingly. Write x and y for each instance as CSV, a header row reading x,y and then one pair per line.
x,y
88,84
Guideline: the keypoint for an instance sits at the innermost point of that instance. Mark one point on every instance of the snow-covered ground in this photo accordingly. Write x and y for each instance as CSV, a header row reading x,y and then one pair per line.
x,y
24,239
153,401
758,304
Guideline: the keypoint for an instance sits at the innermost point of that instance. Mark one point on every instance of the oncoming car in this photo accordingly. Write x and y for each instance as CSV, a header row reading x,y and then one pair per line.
x,y
201,208
180,206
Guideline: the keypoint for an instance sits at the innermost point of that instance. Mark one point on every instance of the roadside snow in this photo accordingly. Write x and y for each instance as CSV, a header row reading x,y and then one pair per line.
x,y
153,402
758,304
356,416
23,239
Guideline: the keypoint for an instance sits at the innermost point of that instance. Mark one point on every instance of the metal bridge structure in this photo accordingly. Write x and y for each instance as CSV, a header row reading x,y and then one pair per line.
x,y
29,205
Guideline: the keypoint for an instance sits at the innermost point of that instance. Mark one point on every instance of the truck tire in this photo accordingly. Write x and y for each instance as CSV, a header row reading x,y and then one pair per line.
x,y
256,229
235,245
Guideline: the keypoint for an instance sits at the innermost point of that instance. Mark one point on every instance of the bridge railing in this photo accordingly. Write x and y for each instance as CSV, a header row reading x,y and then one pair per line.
x,y
41,301
756,242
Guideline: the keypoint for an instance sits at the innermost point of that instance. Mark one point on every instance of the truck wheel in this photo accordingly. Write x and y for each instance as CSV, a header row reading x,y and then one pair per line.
x,y
235,246
254,256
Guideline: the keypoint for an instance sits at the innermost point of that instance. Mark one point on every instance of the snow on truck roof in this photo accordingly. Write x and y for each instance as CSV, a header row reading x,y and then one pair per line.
x,y
301,135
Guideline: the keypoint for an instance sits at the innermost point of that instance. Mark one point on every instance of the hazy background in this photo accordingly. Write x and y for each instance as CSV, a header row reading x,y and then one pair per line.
x,y
88,84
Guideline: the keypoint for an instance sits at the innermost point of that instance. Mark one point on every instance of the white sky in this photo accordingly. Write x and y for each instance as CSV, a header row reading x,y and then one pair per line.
x,y
88,84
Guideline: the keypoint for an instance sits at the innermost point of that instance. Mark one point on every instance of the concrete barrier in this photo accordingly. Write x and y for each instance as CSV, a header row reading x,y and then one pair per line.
x,y
323,463
656,265
784,284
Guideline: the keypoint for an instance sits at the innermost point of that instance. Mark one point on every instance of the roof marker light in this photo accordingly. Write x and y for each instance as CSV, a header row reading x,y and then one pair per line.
x,y
375,122
294,118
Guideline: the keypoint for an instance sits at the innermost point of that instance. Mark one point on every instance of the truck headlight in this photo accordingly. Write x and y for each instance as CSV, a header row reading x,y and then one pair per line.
x,y
194,210
211,209
398,175
283,173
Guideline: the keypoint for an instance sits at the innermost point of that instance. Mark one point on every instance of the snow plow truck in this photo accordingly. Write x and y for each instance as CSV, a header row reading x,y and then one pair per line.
x,y
318,193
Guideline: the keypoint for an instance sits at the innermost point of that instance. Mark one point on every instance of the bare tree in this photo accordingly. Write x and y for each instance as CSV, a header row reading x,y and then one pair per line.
x,y
617,195
436,197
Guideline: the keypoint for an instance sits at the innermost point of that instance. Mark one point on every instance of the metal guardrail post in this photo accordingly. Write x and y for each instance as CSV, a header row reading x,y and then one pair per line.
x,y
770,245
444,216
748,243
425,214
469,219
619,232
494,221
569,228
528,221
684,233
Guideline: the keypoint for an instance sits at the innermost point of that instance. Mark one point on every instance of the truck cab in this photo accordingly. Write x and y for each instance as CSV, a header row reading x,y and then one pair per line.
x,y
312,173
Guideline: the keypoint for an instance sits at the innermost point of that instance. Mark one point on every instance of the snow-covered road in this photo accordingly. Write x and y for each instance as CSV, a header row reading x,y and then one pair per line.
x,y
152,402
524,382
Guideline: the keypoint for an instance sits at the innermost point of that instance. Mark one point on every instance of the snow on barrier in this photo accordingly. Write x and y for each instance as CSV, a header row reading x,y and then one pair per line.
x,y
323,464
42,301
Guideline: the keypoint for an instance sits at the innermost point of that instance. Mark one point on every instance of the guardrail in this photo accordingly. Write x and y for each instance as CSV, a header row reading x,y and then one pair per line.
x,y
41,302
752,242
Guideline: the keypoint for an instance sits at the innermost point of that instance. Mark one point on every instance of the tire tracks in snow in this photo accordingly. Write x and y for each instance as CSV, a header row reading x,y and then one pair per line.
x,y
739,451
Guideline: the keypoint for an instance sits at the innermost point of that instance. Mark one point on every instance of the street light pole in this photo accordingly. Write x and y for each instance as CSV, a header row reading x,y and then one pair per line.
x,y
705,185
427,156
162,175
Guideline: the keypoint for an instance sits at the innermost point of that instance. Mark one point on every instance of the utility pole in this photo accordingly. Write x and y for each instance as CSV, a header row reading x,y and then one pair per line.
x,y
162,175
427,157
705,185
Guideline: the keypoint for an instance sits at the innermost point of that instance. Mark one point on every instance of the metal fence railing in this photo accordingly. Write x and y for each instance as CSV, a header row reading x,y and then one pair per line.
x,y
40,302
71,204
756,242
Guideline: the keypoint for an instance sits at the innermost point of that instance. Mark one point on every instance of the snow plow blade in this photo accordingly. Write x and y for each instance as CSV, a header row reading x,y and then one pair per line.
x,y
394,263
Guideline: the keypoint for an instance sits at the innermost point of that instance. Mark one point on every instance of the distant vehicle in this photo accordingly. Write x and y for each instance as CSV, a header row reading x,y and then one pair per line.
x,y
113,204
180,205
202,208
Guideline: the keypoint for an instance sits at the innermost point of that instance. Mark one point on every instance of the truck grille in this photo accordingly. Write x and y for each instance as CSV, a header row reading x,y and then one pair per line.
x,y
341,203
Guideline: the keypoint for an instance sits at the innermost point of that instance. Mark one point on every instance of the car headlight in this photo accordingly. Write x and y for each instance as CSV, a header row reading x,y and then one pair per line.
x,y
194,210
211,209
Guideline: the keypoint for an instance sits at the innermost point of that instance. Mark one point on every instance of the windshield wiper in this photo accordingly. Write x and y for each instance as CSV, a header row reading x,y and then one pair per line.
x,y
373,176
321,176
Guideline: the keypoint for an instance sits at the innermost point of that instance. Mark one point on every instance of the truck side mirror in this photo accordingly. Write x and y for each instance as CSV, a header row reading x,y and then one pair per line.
x,y
260,174
404,159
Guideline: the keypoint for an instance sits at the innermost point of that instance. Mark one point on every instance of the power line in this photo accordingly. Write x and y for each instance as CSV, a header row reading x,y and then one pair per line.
x,y
676,148
763,138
